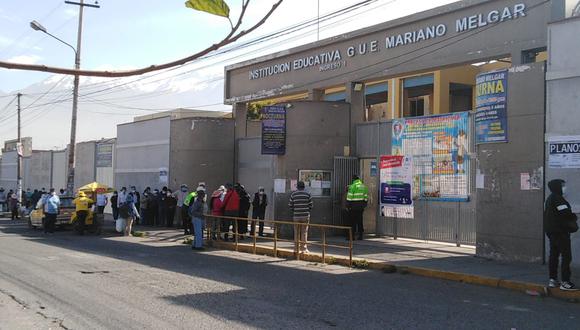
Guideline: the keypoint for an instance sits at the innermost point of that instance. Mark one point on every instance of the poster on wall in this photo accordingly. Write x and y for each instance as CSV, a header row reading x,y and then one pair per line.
x,y
104,155
564,152
491,107
396,178
273,130
440,149
317,182
163,175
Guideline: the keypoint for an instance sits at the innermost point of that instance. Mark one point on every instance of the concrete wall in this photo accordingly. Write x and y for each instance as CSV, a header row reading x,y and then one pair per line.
x,y
563,99
202,150
59,169
256,170
142,148
38,173
8,165
509,220
84,163
315,133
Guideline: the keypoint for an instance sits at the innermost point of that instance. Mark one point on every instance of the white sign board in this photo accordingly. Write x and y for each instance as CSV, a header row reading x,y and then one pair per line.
x,y
564,153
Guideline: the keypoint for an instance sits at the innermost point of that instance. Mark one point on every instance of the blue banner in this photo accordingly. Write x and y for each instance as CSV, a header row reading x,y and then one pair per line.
x,y
273,130
491,105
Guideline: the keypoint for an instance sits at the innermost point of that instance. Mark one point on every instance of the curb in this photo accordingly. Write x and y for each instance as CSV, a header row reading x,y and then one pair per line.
x,y
532,289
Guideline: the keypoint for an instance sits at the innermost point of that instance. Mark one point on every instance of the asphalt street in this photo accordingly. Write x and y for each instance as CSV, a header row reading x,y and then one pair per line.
x,y
89,282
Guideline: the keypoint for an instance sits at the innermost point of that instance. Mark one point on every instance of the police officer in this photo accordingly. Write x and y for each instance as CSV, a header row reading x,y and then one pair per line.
x,y
559,222
356,201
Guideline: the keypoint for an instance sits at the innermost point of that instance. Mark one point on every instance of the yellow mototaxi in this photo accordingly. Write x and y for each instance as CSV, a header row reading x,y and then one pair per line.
x,y
93,221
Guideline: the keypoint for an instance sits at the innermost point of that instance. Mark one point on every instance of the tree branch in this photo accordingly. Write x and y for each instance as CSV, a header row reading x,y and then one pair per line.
x,y
230,38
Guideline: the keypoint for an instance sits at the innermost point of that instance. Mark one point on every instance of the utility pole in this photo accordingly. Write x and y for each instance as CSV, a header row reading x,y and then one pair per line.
x,y
19,151
70,182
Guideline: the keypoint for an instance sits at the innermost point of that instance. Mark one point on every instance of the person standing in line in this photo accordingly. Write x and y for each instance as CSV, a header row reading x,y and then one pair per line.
x,y
130,213
216,206
13,203
180,197
171,206
82,208
301,205
3,205
356,201
137,202
154,207
231,209
51,210
101,203
259,211
144,207
187,202
115,205
197,213
122,196
161,197
559,222
244,210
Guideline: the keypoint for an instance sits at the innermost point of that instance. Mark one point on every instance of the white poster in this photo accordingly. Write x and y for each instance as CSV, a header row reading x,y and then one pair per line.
x,y
163,175
525,181
564,152
396,175
280,186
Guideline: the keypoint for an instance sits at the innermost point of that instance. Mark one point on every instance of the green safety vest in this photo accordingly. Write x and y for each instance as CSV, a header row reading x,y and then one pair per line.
x,y
189,197
357,192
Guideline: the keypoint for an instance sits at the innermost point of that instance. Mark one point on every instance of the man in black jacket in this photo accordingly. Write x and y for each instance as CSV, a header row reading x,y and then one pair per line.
x,y
559,222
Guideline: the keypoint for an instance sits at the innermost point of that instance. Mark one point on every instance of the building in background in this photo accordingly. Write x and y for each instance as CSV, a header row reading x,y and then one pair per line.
x,y
173,148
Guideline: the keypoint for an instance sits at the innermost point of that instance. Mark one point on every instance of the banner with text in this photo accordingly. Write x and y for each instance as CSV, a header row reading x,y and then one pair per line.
x,y
273,130
396,175
440,149
564,154
491,105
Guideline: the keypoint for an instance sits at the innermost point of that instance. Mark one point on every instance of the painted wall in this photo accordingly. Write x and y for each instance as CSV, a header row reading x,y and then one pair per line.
x,y
563,99
59,169
202,150
39,171
142,149
509,219
84,163
8,165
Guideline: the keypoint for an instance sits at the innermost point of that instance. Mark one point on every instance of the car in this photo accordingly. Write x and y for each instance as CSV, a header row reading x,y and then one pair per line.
x,y
67,209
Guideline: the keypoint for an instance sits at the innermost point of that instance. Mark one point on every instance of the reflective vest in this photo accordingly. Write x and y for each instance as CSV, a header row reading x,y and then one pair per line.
x,y
192,195
357,192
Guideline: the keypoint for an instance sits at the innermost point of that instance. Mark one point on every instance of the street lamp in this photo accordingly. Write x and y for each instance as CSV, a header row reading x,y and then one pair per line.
x,y
73,127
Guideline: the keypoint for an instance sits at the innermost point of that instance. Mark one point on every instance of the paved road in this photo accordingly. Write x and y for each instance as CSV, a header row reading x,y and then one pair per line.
x,y
74,282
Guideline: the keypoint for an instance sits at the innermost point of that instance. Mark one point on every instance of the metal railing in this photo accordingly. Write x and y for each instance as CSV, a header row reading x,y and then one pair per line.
x,y
297,227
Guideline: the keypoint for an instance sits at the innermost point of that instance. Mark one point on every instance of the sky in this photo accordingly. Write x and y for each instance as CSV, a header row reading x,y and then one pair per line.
x,y
121,35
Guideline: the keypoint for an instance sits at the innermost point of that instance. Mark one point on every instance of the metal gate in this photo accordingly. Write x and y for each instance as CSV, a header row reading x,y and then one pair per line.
x,y
344,169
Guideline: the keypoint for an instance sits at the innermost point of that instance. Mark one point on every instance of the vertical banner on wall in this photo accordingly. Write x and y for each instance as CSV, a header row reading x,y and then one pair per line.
x,y
396,175
439,146
104,156
491,105
273,130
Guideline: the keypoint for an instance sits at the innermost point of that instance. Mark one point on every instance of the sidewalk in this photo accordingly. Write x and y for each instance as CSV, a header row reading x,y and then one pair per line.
x,y
422,258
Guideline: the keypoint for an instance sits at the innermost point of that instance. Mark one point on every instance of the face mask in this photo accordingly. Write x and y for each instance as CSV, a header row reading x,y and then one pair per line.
x,y
184,189
564,190
168,194
261,192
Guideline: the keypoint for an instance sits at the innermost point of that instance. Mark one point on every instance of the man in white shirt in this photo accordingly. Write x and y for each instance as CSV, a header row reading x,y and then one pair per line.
x,y
102,201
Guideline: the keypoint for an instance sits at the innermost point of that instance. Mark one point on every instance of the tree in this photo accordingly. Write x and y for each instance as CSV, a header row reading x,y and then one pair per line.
x,y
255,109
215,7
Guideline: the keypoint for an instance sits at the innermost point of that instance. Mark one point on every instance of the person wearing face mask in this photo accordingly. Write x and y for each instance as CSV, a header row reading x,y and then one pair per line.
x,y
137,202
180,197
122,196
144,207
559,222
216,206
115,205
171,203
154,207
51,210
259,210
